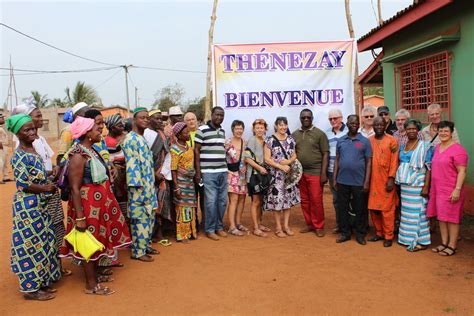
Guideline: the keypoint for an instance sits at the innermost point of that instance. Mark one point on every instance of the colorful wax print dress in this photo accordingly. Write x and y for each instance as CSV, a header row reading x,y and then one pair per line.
x,y
33,256
142,201
182,161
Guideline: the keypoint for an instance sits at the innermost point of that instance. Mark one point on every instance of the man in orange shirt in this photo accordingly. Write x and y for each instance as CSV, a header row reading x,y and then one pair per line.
x,y
383,197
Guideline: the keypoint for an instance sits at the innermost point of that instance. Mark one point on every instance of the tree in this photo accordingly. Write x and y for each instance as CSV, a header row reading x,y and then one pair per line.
x,y
197,107
373,91
41,100
82,93
58,103
207,103
170,95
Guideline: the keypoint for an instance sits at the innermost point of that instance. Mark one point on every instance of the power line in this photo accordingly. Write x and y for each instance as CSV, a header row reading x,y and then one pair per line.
x,y
108,79
27,72
54,47
169,69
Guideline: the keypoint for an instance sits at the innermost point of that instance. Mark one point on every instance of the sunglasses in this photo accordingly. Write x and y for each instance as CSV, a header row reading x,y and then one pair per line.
x,y
369,116
384,114
335,118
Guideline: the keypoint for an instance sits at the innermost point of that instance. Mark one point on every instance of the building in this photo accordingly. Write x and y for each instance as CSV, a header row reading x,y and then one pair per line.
x,y
428,58
115,109
373,100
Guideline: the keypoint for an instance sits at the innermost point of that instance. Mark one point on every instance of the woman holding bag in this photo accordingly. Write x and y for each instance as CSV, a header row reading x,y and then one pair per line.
x,y
254,158
92,204
280,154
237,188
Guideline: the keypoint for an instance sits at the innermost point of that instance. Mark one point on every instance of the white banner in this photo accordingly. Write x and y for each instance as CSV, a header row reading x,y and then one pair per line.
x,y
254,81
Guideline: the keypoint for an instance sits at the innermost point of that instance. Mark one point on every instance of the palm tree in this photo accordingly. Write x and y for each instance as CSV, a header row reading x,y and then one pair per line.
x,y
82,93
58,103
41,100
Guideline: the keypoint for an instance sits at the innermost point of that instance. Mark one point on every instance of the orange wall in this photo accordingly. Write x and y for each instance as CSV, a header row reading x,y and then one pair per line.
x,y
374,101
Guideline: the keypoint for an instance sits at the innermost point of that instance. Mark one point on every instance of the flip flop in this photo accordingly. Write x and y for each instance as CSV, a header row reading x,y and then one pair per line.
x,y
165,243
99,290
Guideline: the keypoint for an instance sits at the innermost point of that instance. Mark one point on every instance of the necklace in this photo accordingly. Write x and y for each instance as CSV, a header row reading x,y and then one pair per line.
x,y
411,148
181,145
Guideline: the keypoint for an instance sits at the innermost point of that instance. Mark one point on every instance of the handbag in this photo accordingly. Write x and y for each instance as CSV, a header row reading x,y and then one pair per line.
x,y
293,177
259,182
63,182
84,243
234,167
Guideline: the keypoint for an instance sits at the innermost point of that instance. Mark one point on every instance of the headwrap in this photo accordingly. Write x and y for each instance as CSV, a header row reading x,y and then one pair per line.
x,y
111,121
68,116
178,128
78,107
139,109
16,122
154,112
81,126
25,108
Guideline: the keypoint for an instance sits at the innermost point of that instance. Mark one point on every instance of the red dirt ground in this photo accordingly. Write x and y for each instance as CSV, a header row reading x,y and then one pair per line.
x,y
300,275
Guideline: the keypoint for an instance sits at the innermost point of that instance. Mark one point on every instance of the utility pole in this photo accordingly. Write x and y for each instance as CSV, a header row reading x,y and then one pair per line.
x,y
125,67
207,100
136,97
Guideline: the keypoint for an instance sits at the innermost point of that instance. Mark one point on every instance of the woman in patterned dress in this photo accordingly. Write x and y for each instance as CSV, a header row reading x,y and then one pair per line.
x,y
413,176
278,199
237,182
33,252
42,148
92,204
182,170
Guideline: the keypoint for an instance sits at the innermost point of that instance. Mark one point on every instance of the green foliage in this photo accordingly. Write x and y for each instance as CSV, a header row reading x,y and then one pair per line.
x,y
171,95
373,91
58,103
82,93
42,101
197,107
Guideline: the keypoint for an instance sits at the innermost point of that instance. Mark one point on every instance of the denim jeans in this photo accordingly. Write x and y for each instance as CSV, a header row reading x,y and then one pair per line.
x,y
215,200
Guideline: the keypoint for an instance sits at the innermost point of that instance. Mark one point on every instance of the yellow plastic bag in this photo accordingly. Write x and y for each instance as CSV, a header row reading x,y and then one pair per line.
x,y
84,243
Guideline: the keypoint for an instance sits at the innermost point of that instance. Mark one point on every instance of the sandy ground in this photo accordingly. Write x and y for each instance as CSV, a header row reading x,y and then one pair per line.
x,y
300,275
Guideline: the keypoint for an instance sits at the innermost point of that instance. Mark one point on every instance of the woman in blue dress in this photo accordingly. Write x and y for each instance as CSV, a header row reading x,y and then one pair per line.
x,y
413,176
32,253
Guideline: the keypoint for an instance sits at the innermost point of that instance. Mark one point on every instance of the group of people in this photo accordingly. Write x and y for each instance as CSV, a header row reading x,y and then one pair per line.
x,y
128,187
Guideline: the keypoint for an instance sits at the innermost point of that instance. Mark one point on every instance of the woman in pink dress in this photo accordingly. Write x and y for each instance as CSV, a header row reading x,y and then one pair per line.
x,y
447,192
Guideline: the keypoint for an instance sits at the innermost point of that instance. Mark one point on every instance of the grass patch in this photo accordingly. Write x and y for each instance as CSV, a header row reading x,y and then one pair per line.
x,y
449,310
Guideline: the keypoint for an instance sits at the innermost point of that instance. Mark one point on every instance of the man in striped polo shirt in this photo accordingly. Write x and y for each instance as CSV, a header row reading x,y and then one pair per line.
x,y
211,171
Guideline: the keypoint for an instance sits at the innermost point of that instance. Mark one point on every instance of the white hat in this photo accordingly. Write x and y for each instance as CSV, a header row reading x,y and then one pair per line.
x,y
175,110
78,107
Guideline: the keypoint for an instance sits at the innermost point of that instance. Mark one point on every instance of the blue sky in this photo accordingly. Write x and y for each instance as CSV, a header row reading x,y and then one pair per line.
x,y
164,34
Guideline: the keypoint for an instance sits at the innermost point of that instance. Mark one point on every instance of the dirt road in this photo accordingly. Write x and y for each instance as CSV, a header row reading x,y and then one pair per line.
x,y
299,275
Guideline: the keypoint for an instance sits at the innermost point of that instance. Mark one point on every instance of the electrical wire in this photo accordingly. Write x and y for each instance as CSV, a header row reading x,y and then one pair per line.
x,y
108,79
60,71
54,47
169,69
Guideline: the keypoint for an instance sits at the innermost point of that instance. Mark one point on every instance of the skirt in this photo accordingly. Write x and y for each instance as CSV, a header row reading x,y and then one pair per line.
x,y
103,219
414,225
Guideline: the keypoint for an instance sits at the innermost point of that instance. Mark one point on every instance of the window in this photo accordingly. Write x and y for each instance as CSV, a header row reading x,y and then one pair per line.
x,y
424,82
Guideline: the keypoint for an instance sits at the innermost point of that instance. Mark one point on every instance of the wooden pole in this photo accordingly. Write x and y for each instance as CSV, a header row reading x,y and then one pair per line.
x,y
379,12
207,100
352,35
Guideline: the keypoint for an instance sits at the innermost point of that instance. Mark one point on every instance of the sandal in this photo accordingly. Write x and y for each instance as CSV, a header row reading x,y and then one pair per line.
x,y
418,248
165,242
280,234
144,258
447,252
259,233
264,228
235,231
152,251
116,264
242,228
439,248
66,272
104,278
99,290
38,296
288,231
106,272
48,289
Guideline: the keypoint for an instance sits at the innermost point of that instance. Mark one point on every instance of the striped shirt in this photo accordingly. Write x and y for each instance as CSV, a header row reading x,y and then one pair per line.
x,y
332,138
212,154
